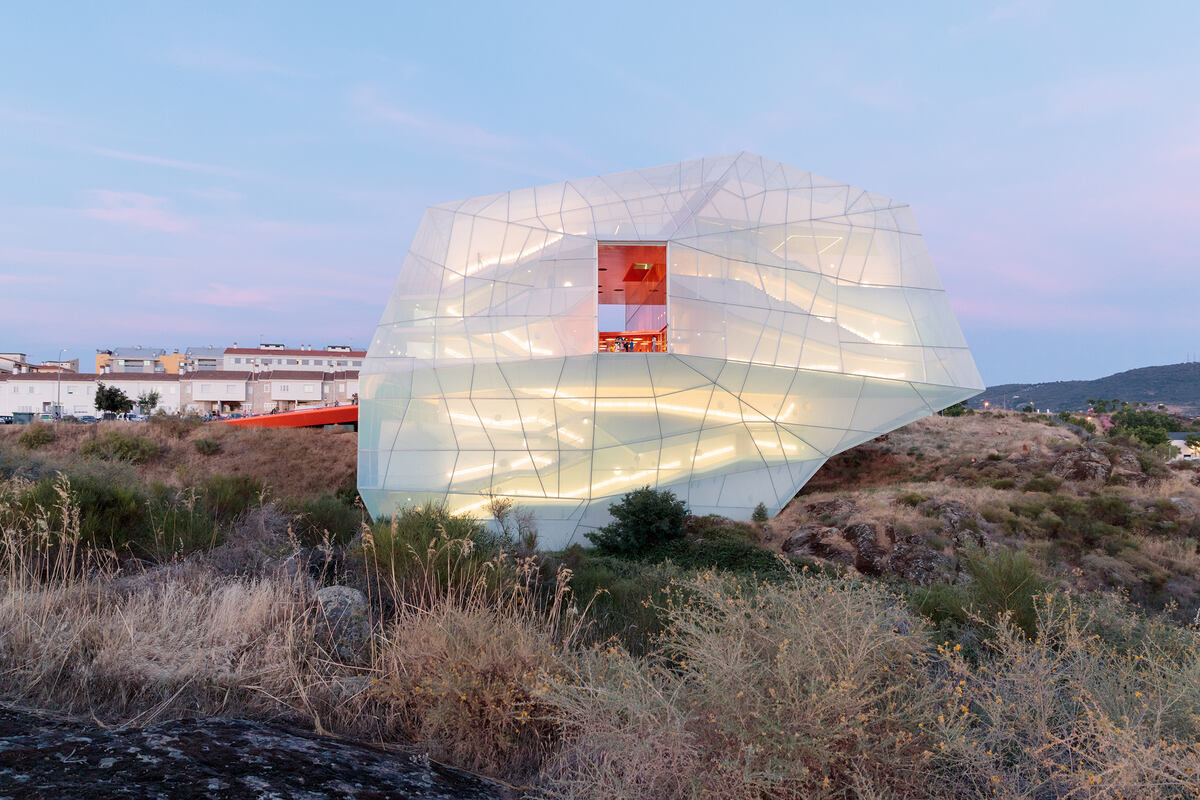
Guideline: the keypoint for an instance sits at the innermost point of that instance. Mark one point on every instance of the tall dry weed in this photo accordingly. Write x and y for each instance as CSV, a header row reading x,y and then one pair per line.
x,y
799,689
1103,703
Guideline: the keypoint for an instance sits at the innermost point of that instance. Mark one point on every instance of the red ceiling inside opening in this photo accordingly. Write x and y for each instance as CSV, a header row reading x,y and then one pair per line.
x,y
633,274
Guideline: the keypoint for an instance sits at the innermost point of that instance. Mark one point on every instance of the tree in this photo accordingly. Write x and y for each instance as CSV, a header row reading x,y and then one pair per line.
x,y
113,400
1193,442
956,410
148,402
1027,409
642,520
760,513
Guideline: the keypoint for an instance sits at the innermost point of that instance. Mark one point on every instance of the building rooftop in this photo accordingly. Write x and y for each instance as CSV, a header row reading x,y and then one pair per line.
x,y
270,351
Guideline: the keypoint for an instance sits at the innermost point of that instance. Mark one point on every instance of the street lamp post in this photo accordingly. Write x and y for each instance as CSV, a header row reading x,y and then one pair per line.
x,y
58,386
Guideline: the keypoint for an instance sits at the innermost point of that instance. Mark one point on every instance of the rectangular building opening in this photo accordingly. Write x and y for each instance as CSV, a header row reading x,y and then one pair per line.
x,y
632,290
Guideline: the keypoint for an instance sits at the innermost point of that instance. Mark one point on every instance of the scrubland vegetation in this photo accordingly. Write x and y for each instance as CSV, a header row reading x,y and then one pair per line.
x,y
680,657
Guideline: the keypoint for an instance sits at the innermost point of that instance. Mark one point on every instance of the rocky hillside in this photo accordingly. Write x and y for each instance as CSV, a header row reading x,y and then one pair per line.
x,y
913,504
1176,386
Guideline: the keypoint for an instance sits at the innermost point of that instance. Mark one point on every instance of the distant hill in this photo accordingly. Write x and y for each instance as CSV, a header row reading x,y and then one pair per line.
x,y
1176,386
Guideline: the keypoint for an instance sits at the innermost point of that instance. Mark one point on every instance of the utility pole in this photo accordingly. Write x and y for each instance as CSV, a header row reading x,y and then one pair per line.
x,y
58,386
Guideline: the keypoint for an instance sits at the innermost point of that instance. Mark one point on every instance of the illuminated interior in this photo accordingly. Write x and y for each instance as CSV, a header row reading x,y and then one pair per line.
x,y
632,297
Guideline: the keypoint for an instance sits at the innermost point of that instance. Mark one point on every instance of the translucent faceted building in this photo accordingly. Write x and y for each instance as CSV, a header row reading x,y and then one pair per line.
x,y
717,327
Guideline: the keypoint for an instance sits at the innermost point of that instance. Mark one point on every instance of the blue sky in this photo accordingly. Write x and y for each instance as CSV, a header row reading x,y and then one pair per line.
x,y
188,174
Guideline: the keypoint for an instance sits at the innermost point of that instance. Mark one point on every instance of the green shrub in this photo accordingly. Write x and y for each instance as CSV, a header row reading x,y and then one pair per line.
x,y
110,515
207,447
426,552
36,436
760,513
1004,483
1109,509
1005,582
228,496
624,598
716,544
1042,483
994,457
643,519
325,517
911,499
117,446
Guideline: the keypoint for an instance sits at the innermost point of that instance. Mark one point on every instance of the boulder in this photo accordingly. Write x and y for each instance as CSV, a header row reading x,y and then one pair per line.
x,y
870,556
838,508
343,622
1083,464
1183,506
914,560
959,522
820,541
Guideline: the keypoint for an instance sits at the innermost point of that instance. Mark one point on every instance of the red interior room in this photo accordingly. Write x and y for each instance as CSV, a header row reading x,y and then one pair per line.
x,y
633,298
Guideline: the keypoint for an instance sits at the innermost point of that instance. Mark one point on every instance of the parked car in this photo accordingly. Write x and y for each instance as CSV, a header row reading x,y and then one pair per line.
x,y
6,419
88,418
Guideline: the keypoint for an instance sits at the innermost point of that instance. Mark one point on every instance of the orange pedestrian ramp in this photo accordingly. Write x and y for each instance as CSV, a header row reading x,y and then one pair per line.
x,y
301,418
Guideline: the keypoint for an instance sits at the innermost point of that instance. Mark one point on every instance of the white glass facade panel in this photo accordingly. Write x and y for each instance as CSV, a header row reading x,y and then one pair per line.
x,y
803,316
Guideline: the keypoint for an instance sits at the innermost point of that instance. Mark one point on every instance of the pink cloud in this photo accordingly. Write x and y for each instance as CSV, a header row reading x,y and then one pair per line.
x,y
139,210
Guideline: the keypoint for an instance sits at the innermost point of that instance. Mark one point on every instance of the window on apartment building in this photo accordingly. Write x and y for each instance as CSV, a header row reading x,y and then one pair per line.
x,y
341,363
308,388
358,363
304,361
283,387
229,387
292,361
206,387
237,361
341,387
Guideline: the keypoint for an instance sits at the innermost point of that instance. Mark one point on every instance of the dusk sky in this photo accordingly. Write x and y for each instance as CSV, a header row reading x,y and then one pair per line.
x,y
192,174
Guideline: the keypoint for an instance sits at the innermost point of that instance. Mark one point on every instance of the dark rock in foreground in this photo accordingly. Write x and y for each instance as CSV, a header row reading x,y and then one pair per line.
x,y
45,757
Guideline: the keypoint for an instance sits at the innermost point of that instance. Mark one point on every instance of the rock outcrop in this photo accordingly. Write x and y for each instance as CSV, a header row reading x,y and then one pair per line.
x,y
212,759
343,622
1082,464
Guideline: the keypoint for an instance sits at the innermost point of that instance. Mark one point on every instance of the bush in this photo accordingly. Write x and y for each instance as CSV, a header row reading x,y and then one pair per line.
x,y
644,518
808,688
36,436
228,496
117,446
325,518
424,552
1005,582
911,499
1042,483
760,514
207,447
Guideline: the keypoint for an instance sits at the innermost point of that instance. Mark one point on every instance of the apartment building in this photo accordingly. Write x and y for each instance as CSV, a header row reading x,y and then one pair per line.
x,y
43,392
136,359
12,362
139,384
276,357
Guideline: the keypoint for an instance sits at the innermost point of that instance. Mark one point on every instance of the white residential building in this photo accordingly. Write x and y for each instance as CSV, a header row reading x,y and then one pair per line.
x,y
278,357
137,384
42,392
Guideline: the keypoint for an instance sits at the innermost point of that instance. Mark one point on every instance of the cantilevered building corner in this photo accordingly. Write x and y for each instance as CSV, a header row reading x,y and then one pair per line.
x,y
717,327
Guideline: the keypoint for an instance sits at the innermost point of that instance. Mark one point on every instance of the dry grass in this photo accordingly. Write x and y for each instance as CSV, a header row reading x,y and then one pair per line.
x,y
814,688
294,463
808,687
